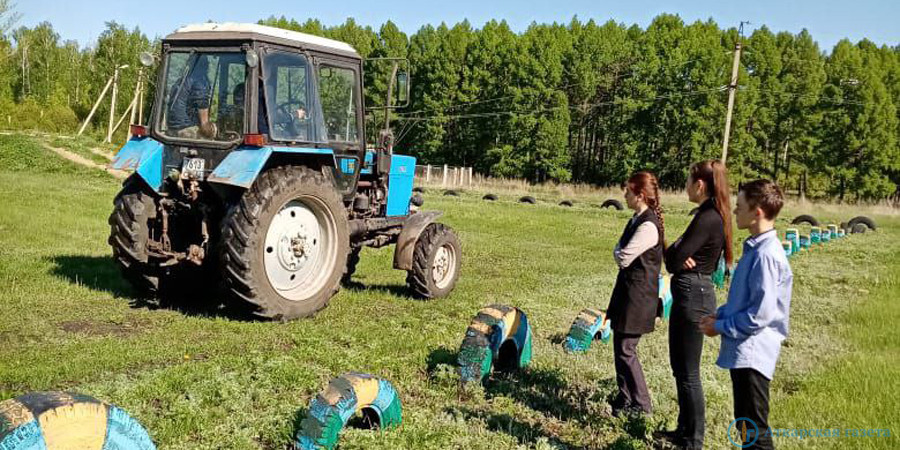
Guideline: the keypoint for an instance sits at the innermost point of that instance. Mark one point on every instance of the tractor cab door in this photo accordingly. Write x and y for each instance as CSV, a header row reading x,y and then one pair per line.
x,y
340,94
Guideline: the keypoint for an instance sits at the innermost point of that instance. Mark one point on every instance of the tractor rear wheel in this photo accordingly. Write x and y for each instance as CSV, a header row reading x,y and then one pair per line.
x,y
134,211
436,262
285,244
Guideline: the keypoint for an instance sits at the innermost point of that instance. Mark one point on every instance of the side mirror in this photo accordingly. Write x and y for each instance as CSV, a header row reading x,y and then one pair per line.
x,y
403,86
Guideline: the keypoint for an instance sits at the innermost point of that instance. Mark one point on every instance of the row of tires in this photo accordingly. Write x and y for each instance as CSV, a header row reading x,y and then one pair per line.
x,y
527,199
858,224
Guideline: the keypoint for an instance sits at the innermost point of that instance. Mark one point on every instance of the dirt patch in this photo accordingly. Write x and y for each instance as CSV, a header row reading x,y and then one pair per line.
x,y
104,153
108,328
78,159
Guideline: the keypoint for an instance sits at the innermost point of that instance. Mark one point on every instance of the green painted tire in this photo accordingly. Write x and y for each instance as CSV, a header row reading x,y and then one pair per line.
x,y
499,336
344,397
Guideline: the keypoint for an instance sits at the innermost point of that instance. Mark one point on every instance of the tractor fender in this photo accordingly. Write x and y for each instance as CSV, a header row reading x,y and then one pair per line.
x,y
406,242
241,167
143,155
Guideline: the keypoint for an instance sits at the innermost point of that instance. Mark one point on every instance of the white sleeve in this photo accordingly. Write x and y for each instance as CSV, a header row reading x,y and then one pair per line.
x,y
645,238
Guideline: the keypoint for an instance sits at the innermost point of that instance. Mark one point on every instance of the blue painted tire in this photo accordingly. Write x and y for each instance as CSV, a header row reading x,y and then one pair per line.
x,y
499,336
42,420
344,397
589,325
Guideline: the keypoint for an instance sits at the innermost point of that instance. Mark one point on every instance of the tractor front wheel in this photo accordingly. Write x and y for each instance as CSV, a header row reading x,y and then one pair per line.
x,y
285,244
436,262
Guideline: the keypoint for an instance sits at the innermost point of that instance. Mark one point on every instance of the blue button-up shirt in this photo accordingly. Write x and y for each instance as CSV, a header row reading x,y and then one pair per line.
x,y
754,321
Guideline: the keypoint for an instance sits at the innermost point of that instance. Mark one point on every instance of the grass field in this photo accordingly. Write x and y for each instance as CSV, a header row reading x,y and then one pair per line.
x,y
197,379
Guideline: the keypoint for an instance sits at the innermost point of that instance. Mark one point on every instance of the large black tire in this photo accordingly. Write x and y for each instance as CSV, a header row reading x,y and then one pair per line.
x,y
134,210
863,220
528,199
352,261
567,203
451,193
489,197
805,218
419,189
417,200
613,203
246,228
858,228
421,278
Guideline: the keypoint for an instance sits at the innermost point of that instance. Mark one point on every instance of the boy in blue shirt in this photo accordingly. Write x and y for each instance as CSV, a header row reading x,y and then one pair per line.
x,y
754,321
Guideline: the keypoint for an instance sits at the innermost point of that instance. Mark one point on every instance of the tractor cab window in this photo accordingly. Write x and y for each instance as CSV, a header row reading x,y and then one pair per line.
x,y
204,96
339,93
291,110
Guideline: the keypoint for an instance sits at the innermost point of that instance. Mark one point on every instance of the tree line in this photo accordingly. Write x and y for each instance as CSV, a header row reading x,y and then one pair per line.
x,y
578,102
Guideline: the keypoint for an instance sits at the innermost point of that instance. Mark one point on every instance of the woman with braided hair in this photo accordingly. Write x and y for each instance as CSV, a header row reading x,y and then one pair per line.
x,y
633,306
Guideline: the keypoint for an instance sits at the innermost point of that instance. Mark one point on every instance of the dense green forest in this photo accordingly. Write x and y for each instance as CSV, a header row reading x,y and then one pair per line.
x,y
578,102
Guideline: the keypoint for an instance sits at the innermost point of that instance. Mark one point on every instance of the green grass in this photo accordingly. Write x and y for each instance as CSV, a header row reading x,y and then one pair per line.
x,y
199,380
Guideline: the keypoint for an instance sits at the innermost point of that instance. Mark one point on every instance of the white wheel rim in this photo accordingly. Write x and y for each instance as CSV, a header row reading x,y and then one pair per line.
x,y
300,248
443,269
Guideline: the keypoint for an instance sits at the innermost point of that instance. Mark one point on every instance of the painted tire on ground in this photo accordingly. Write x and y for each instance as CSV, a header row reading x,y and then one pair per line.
x,y
793,235
345,396
589,324
665,295
805,242
60,420
499,336
787,245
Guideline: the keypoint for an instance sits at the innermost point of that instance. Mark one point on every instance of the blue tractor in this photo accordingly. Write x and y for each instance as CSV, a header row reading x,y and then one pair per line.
x,y
253,176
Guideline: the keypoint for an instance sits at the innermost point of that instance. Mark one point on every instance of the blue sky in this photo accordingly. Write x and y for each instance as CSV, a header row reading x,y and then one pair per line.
x,y
827,20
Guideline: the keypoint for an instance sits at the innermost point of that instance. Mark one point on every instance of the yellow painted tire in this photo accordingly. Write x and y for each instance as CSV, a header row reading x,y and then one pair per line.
x,y
60,420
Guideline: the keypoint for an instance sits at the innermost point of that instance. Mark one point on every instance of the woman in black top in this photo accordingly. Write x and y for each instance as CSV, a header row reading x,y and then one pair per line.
x,y
632,307
691,260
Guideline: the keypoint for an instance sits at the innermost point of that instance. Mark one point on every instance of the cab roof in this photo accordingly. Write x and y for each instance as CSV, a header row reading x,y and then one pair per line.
x,y
250,31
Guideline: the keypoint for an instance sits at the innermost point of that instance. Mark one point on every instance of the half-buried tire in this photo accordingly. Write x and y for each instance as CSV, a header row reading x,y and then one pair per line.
x,y
528,199
451,193
612,203
419,189
863,220
589,324
858,228
498,337
805,218
566,203
375,399
51,420
490,197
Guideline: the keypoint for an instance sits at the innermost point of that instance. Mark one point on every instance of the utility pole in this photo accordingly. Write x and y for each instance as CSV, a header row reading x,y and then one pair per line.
x,y
732,88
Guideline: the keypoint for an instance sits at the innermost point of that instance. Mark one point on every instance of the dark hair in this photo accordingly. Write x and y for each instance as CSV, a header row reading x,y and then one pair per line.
x,y
765,195
715,177
647,184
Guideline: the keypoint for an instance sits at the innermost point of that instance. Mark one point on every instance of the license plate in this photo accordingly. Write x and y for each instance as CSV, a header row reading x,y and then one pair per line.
x,y
193,167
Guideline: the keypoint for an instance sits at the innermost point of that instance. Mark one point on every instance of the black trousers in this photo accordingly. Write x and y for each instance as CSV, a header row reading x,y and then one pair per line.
x,y
633,392
751,401
693,297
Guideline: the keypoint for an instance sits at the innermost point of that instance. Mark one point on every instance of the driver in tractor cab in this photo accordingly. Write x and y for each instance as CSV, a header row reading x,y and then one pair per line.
x,y
188,112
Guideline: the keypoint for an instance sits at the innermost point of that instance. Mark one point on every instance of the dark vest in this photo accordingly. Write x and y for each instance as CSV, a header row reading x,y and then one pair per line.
x,y
635,298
